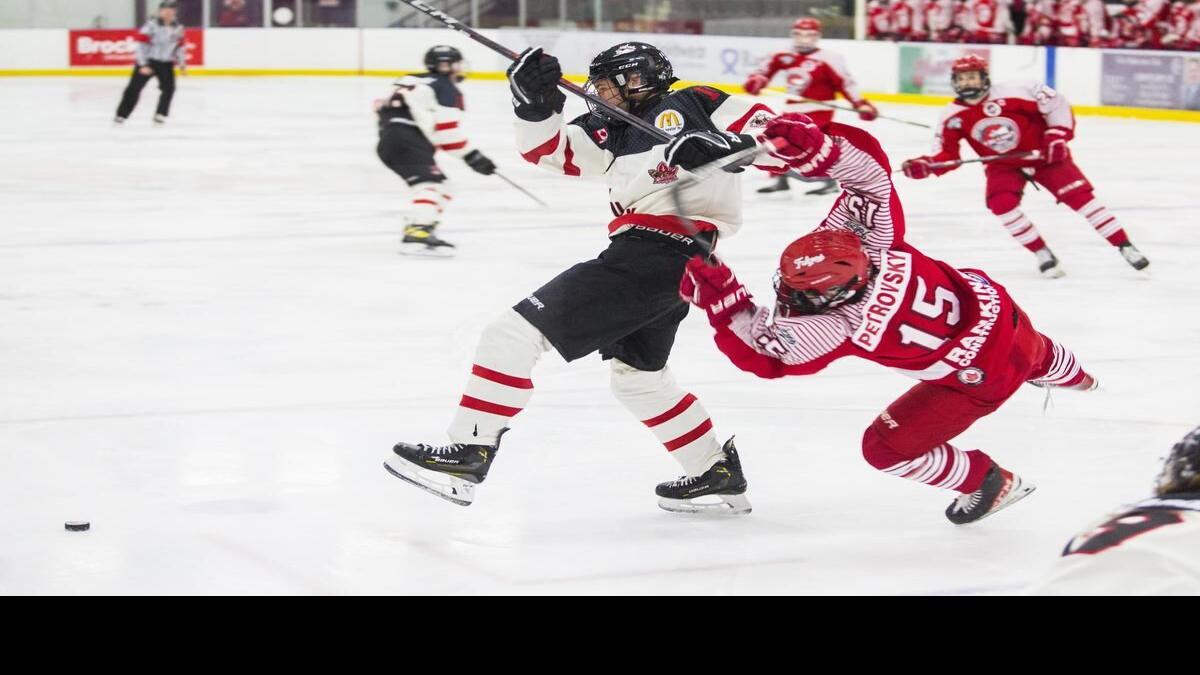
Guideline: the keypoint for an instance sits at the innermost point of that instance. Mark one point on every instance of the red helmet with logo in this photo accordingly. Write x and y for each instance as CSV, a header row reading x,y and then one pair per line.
x,y
970,63
807,23
821,271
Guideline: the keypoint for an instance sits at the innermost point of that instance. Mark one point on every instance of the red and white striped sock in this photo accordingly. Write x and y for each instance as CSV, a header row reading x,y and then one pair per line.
x,y
946,467
674,416
1061,369
1022,229
429,200
499,386
1104,222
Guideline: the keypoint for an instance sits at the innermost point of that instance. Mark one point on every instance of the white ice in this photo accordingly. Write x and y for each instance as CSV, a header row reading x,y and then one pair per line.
x,y
209,343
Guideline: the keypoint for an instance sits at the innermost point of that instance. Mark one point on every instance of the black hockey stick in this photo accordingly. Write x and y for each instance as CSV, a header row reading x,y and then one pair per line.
x,y
527,193
566,84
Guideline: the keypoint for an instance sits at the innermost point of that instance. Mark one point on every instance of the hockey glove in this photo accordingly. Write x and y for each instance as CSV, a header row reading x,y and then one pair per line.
x,y
917,168
715,289
796,139
1054,145
696,148
479,161
533,78
755,84
866,111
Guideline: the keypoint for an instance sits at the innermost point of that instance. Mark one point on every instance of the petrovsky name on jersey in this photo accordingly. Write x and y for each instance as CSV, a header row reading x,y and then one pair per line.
x,y
890,288
1000,134
670,121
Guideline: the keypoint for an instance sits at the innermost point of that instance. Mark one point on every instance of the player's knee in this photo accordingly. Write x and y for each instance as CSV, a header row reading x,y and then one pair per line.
x,y
629,383
1077,199
1000,203
878,452
511,333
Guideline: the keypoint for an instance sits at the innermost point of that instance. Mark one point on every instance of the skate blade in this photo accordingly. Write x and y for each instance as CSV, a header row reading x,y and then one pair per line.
x,y
423,251
454,490
724,505
824,191
1054,273
1019,491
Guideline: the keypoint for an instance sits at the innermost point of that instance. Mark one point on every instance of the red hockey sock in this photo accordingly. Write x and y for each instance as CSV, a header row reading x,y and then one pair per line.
x,y
1105,223
1022,229
944,467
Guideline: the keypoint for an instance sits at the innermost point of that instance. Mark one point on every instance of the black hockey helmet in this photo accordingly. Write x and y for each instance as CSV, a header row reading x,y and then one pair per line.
x,y
1181,472
441,54
620,64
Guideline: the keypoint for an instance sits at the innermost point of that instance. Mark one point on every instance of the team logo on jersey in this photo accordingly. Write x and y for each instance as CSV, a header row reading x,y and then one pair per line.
x,y
670,121
601,136
787,61
992,109
808,261
954,123
971,376
998,134
664,174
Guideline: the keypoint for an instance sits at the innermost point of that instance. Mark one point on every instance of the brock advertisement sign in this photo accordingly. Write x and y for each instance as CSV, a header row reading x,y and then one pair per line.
x,y
119,47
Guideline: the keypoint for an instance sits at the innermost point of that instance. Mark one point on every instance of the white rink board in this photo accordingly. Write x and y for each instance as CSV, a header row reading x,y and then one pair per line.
x,y
210,344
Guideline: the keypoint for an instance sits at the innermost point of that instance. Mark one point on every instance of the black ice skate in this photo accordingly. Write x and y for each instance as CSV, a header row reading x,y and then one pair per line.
x,y
724,482
448,471
420,240
1048,264
1000,489
781,185
828,187
1134,257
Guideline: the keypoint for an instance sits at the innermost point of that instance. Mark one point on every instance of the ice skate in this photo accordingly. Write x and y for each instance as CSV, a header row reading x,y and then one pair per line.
x,y
448,471
780,185
1136,259
1000,490
420,240
719,491
118,121
827,187
160,120
1048,264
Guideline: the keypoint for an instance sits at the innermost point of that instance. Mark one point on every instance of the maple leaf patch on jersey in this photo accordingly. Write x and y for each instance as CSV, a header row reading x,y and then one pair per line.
x,y
664,174
998,134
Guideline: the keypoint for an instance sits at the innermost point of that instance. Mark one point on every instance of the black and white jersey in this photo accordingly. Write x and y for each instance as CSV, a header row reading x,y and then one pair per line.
x,y
639,179
1151,548
432,104
158,41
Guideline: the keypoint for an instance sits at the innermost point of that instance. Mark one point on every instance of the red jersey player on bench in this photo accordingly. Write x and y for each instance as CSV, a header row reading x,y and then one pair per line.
x,y
1033,123
813,75
855,287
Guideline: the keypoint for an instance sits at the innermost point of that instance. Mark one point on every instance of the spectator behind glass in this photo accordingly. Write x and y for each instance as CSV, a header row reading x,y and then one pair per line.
x,y
233,14
1191,84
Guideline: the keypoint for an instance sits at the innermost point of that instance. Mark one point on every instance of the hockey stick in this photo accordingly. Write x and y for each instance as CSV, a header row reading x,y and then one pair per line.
x,y
527,193
834,106
1033,154
566,84
699,174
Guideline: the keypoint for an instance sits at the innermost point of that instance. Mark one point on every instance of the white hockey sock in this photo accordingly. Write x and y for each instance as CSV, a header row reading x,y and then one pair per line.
x,y
499,386
1064,370
944,467
1022,229
1104,222
429,200
675,417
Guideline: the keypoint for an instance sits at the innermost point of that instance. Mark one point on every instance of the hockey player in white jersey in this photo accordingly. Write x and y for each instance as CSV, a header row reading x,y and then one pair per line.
x,y
1150,548
423,117
624,304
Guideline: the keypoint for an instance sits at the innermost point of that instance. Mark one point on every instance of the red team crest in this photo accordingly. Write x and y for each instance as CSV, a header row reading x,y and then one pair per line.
x,y
664,174
999,134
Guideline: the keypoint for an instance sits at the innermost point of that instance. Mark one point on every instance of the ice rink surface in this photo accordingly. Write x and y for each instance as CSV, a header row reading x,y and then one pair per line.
x,y
209,343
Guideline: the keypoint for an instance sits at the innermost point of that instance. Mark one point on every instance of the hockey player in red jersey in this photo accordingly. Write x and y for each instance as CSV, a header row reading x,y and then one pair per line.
x,y
855,287
879,20
1071,24
624,304
1035,123
812,74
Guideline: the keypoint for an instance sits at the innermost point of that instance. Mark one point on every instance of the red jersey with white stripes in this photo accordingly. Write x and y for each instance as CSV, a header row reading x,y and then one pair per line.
x,y
640,182
918,315
819,75
434,105
1011,119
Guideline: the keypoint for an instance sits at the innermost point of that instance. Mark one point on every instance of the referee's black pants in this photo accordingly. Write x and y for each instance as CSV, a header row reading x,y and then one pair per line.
x,y
165,72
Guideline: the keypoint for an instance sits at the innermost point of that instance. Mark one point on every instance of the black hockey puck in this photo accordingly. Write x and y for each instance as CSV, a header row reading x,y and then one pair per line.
x,y
78,526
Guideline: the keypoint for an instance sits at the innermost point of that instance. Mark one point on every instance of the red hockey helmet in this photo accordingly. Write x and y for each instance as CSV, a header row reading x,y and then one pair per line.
x,y
807,23
821,271
806,32
970,63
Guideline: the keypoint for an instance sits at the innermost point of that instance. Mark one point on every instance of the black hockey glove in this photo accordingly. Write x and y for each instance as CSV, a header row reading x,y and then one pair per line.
x,y
533,78
697,148
479,161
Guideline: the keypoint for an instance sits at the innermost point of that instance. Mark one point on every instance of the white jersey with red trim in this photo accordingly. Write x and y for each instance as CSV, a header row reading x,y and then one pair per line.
x,y
938,17
819,75
879,20
906,18
990,17
433,104
1152,548
639,180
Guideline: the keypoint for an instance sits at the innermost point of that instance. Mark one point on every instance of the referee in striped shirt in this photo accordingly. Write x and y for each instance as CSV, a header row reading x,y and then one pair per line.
x,y
160,46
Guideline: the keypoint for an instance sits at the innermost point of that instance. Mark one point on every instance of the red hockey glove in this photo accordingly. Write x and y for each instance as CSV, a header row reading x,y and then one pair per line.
x,y
795,138
755,84
917,168
866,111
1054,145
715,289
